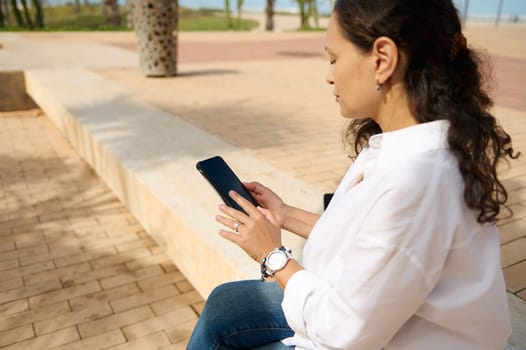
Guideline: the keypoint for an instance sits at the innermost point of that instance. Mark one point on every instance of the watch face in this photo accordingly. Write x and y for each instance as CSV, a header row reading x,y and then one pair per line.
x,y
277,260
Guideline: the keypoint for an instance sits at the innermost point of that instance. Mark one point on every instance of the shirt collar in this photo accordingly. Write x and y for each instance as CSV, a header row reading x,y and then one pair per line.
x,y
412,140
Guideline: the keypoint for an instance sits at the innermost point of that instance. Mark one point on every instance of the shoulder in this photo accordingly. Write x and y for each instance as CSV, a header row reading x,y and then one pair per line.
x,y
424,172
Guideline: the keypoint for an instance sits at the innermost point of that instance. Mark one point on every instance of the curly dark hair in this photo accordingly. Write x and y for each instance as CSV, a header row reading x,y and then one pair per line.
x,y
443,80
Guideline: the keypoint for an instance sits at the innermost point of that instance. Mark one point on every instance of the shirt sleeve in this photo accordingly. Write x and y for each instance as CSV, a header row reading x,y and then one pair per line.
x,y
387,270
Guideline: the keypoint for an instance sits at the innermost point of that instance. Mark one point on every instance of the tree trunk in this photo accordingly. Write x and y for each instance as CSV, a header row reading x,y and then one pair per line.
x,y
39,14
154,23
269,11
239,10
2,17
17,14
304,19
228,14
7,16
110,10
27,16
314,12
76,6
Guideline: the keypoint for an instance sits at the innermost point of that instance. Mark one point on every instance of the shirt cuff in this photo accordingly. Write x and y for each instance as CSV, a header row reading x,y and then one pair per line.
x,y
299,288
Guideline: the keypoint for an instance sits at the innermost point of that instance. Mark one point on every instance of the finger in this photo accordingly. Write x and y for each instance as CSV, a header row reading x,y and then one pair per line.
x,y
248,207
228,222
231,236
255,188
269,215
233,213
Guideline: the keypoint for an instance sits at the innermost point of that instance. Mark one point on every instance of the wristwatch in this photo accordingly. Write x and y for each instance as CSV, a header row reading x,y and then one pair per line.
x,y
275,261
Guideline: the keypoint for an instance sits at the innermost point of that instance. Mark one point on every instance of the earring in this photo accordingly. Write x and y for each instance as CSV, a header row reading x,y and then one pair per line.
x,y
378,86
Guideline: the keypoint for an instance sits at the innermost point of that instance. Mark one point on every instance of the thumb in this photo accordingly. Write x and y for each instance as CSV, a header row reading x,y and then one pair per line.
x,y
269,215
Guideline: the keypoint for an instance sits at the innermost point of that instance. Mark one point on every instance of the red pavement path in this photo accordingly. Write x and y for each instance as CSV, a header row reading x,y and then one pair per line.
x,y
510,73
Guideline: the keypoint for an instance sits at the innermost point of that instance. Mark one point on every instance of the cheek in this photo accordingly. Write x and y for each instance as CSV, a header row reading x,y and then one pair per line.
x,y
358,97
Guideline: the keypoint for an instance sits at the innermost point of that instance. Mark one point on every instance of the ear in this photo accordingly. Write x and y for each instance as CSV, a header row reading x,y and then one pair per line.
x,y
386,58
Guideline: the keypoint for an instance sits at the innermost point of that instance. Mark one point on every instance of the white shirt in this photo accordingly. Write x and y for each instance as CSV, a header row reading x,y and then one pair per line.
x,y
398,261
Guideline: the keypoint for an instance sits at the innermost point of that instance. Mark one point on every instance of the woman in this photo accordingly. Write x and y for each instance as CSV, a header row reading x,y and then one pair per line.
x,y
406,256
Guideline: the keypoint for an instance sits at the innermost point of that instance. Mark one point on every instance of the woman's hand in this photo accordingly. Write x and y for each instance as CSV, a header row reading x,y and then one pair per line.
x,y
257,233
269,200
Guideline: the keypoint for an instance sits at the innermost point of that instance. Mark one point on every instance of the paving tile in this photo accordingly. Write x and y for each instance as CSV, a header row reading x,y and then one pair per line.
x,y
83,257
9,264
182,331
179,346
13,283
198,307
142,243
56,273
116,321
65,293
98,273
34,315
184,286
512,230
120,258
32,259
47,341
28,291
513,252
131,276
16,335
28,239
161,280
21,253
13,307
114,240
104,296
27,270
153,341
173,323
158,259
174,303
515,277
98,342
144,298
6,246
71,319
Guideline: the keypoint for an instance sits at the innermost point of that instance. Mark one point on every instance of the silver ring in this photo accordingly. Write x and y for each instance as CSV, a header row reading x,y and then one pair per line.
x,y
236,226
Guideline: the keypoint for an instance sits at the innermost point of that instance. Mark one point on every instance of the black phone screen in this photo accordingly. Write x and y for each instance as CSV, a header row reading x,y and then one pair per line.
x,y
223,179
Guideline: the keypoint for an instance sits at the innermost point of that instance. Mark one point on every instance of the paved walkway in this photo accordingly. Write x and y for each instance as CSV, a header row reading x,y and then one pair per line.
x,y
77,269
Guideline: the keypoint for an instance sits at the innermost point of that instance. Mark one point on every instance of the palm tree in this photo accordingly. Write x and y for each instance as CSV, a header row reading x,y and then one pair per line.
x,y
16,12
2,23
269,11
29,21
110,10
304,14
239,9
39,14
228,14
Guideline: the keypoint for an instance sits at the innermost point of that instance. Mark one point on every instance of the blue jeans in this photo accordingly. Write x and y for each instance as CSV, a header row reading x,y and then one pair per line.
x,y
242,315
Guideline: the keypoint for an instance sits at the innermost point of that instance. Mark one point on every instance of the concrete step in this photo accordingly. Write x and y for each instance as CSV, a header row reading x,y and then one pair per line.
x,y
147,157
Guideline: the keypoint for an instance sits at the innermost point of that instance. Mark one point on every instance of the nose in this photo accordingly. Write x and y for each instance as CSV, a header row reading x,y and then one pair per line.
x,y
330,77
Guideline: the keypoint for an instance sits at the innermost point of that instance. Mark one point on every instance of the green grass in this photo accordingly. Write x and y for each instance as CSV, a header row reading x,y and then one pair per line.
x,y
64,18
213,24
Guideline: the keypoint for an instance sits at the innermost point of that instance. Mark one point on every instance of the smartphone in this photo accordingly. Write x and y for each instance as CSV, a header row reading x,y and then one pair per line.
x,y
223,179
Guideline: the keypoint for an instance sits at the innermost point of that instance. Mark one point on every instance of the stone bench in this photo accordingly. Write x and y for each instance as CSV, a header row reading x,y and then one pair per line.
x,y
147,157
